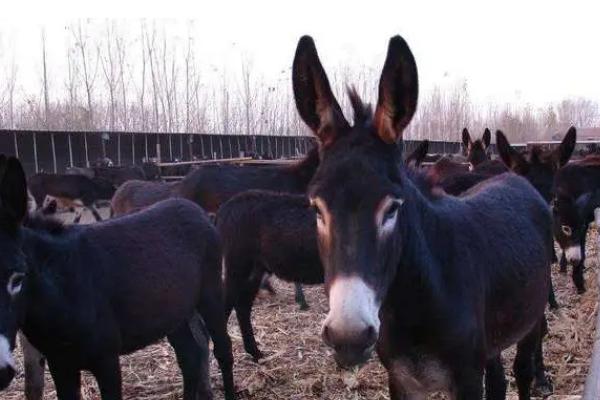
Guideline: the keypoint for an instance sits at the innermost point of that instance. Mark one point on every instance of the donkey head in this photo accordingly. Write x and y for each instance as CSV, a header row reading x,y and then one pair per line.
x,y
13,208
569,224
357,192
476,151
537,165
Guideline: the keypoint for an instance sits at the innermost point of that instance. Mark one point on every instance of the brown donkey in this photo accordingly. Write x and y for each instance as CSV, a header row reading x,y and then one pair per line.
x,y
437,283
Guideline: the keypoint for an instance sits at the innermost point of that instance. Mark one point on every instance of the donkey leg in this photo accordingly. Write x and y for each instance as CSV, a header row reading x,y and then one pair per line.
x,y
563,263
78,214
523,366
67,379
107,372
300,299
265,284
192,357
212,311
94,211
495,381
577,274
552,296
397,392
468,383
35,363
243,311
542,386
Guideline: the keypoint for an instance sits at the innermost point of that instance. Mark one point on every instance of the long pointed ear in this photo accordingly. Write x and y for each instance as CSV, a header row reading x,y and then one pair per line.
x,y
398,91
418,155
486,138
513,160
315,101
466,139
563,153
13,191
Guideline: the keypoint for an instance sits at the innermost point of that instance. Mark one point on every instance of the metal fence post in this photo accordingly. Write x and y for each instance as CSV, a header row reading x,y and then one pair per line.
x,y
146,146
87,157
119,148
53,152
16,144
221,145
70,149
132,148
35,154
181,147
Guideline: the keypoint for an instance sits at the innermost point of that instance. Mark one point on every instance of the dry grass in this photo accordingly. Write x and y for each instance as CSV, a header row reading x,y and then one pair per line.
x,y
298,365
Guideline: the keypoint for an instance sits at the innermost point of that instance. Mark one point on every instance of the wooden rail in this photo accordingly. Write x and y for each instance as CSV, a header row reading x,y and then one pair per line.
x,y
592,382
202,162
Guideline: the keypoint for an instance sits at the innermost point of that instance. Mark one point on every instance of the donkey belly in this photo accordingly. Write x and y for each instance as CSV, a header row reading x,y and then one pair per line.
x,y
511,315
297,268
153,304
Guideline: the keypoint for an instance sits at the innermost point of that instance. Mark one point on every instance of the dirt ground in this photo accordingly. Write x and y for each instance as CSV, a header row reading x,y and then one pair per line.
x,y
299,366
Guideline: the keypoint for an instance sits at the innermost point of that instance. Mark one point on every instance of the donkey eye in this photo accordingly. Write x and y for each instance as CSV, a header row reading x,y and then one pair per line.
x,y
566,230
317,211
391,211
15,283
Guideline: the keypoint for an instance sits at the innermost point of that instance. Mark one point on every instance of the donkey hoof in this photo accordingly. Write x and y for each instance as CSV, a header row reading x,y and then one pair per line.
x,y
542,388
304,307
553,305
256,355
581,290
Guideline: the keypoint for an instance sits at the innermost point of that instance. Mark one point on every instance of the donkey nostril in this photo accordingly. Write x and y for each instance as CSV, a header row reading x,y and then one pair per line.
x,y
325,335
370,335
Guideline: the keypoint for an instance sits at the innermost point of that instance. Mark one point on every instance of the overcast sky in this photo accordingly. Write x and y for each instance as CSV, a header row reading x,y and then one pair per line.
x,y
508,51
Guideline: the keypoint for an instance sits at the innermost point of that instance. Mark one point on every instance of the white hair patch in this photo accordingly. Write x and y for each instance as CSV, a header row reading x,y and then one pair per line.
x,y
352,306
6,358
573,253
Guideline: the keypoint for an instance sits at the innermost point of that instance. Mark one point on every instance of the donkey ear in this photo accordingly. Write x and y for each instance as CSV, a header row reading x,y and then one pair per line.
x,y
513,160
486,138
315,101
398,91
466,138
13,190
563,153
418,155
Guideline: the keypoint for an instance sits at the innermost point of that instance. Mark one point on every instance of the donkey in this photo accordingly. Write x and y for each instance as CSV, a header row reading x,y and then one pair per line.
x,y
440,284
539,166
577,195
116,175
77,188
136,195
83,295
270,232
212,185
265,232
476,151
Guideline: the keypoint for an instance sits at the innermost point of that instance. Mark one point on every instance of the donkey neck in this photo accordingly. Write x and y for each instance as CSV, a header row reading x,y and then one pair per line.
x,y
53,282
427,249
303,171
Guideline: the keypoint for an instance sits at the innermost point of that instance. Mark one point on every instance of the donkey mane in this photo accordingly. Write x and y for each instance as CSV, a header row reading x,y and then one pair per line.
x,y
363,112
537,154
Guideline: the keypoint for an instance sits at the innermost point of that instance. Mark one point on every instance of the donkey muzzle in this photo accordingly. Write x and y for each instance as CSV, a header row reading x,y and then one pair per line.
x,y
352,324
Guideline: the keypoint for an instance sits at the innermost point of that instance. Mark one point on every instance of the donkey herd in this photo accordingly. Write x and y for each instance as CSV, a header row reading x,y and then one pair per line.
x,y
438,267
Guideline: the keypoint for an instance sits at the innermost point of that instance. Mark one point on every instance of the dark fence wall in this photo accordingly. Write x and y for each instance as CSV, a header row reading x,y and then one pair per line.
x,y
35,149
